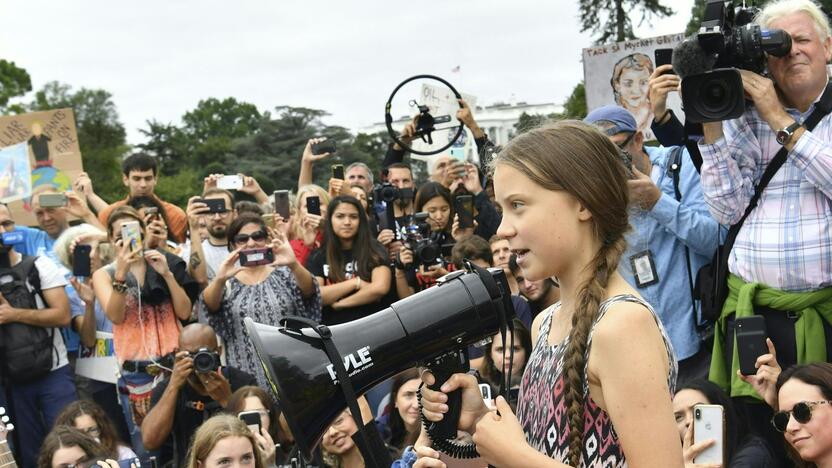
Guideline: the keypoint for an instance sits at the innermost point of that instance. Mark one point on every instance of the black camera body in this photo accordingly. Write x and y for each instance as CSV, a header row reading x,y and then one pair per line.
x,y
729,39
417,236
388,193
206,361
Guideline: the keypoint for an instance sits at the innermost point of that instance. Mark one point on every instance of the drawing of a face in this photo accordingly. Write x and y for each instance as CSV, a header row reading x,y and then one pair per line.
x,y
37,130
632,87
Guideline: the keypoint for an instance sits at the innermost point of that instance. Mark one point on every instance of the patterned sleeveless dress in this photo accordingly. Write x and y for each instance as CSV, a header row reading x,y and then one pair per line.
x,y
541,406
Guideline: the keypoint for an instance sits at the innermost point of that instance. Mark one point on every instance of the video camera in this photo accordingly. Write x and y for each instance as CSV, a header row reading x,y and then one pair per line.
x,y
727,39
417,237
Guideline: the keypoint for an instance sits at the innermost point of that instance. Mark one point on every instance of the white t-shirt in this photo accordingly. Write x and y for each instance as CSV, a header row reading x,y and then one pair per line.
x,y
214,256
50,277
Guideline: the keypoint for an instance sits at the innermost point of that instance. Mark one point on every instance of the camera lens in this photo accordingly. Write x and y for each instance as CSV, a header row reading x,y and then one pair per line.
x,y
205,361
698,414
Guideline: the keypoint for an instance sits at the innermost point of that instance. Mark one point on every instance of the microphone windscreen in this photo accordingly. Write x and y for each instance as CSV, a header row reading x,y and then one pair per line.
x,y
690,59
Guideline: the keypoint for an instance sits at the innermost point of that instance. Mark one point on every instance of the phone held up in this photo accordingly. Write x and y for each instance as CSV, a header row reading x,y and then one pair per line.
x,y
81,265
709,424
252,420
281,203
751,341
338,171
256,257
326,146
313,205
131,234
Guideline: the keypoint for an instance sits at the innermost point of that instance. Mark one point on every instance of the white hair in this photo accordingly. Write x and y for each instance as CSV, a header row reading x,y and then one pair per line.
x,y
777,9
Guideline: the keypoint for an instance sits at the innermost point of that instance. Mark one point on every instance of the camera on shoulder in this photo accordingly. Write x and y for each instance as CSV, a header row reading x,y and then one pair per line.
x,y
728,39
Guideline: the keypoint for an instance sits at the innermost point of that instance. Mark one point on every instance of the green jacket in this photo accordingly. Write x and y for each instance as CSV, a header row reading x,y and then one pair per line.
x,y
811,307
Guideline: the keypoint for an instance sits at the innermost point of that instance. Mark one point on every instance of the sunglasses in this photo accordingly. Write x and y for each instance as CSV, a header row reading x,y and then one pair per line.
x,y
802,413
256,236
626,142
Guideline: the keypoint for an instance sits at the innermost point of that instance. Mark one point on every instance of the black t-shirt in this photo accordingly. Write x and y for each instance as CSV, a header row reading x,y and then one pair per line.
x,y
40,147
191,411
318,266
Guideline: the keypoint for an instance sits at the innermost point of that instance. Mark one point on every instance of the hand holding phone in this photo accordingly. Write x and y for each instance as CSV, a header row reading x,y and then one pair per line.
x,y
323,147
464,206
338,171
751,336
281,203
252,420
230,182
81,264
313,205
709,424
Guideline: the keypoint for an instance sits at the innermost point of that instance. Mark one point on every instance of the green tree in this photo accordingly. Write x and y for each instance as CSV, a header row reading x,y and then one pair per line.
x,y
610,19
101,135
575,105
14,82
527,122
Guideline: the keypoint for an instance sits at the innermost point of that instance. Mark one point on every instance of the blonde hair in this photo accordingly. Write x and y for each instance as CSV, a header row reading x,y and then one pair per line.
x,y
779,8
577,158
63,242
216,429
297,231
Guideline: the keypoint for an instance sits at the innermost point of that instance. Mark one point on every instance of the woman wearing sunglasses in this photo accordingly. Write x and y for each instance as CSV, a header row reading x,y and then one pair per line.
x,y
264,290
804,396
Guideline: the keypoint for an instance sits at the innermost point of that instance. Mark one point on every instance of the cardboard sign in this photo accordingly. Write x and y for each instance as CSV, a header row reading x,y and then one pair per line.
x,y
619,73
443,103
99,362
51,141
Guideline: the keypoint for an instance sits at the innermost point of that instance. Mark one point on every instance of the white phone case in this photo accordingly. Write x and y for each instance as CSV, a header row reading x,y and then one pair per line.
x,y
230,182
709,423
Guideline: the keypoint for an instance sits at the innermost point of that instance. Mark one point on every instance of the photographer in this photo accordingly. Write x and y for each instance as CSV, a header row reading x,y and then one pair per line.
x,y
400,177
197,389
776,265
414,274
351,267
667,128
670,234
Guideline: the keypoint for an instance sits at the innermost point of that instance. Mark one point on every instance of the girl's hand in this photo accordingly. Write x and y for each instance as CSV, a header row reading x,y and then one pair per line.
x,y
499,436
691,451
335,187
434,403
125,257
84,289
765,380
459,233
267,447
307,151
282,225
157,261
228,268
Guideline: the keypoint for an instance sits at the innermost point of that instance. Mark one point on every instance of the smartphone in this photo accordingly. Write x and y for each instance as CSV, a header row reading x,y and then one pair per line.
x,y
338,171
664,57
52,200
81,261
255,257
215,205
709,423
230,182
281,203
131,232
313,205
464,207
252,420
326,146
751,341
151,211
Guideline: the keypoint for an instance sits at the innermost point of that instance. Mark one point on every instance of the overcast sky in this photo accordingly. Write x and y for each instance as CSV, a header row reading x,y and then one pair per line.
x,y
158,58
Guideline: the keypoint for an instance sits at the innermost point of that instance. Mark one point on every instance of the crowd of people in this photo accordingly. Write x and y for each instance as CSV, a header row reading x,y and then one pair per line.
x,y
599,234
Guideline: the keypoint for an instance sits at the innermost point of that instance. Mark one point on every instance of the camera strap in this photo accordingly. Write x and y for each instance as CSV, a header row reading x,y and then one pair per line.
x,y
674,167
367,438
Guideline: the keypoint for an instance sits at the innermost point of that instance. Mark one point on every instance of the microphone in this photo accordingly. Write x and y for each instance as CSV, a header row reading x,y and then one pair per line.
x,y
690,59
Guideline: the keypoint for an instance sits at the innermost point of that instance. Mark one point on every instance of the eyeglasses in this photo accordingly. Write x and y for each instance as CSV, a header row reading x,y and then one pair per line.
x,y
256,236
801,411
93,431
626,142
7,224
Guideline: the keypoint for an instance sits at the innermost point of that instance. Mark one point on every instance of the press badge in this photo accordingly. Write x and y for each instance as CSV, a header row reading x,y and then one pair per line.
x,y
644,269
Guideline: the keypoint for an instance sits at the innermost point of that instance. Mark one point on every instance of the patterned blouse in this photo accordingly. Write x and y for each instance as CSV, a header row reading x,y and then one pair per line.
x,y
266,302
541,406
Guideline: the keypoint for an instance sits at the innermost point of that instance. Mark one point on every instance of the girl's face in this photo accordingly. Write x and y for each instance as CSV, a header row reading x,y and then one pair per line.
x,y
683,403
230,452
438,211
548,230
337,439
633,85
86,424
65,456
406,403
497,347
813,439
253,403
345,221
360,195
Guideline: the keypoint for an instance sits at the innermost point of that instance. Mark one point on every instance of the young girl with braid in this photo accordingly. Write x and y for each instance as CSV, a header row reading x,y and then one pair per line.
x,y
597,388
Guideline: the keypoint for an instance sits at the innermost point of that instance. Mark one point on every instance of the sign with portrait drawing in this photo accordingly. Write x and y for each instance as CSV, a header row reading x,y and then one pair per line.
x,y
50,142
618,73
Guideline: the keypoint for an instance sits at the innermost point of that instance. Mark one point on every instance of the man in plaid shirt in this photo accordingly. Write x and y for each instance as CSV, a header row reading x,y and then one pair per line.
x,y
781,263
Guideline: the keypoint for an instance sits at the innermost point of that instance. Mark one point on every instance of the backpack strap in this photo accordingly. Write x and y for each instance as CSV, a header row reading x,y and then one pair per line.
x,y
29,271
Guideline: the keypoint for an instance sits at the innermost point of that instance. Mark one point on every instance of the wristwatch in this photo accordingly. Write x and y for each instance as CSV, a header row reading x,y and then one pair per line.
x,y
785,134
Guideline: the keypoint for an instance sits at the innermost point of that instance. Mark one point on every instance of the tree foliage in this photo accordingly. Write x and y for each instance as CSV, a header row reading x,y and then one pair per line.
x,y
610,19
14,82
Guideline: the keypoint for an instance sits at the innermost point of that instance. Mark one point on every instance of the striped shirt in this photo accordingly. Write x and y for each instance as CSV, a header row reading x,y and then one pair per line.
x,y
786,242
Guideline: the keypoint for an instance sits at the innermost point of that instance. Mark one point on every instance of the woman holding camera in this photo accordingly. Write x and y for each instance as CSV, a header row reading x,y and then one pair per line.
x,y
351,267
261,279
145,293
597,387
414,272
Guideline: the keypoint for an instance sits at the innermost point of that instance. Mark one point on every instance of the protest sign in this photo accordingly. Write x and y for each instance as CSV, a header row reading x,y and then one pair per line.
x,y
99,362
619,73
51,141
442,103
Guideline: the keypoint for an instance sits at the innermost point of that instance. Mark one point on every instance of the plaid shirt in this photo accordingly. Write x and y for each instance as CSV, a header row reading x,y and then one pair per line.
x,y
786,242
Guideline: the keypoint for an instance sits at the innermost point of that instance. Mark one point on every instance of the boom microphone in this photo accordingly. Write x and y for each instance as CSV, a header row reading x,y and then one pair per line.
x,y
690,59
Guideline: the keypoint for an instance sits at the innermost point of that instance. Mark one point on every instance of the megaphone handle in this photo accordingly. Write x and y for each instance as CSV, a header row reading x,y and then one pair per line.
x,y
442,370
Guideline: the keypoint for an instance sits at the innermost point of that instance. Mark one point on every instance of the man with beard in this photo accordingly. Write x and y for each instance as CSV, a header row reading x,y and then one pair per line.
x,y
190,395
205,256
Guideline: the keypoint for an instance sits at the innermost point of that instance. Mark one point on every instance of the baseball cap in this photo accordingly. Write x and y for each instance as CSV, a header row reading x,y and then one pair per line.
x,y
620,118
